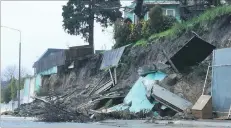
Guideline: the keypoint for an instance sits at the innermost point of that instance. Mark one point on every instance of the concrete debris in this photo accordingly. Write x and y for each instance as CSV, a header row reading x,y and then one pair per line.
x,y
146,69
167,98
140,99
170,80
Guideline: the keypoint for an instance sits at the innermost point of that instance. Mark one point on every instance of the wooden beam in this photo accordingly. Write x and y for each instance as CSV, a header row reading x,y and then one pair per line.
x,y
111,77
169,60
115,75
206,79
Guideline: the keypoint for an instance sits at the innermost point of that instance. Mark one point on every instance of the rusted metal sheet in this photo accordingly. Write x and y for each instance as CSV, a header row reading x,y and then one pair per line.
x,y
111,58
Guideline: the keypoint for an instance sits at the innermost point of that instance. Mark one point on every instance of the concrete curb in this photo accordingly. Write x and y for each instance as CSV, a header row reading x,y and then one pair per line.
x,y
202,123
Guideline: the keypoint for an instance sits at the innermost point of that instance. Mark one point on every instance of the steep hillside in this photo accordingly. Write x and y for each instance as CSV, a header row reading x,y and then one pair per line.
x,y
216,31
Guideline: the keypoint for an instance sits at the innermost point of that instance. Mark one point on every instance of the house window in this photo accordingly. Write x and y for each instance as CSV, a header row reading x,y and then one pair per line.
x,y
170,12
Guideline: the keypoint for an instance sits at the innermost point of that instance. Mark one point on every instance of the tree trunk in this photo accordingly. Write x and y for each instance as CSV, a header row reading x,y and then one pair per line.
x,y
91,25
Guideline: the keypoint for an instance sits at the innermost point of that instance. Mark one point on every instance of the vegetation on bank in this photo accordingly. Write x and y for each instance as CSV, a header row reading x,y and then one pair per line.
x,y
10,91
126,32
196,23
147,31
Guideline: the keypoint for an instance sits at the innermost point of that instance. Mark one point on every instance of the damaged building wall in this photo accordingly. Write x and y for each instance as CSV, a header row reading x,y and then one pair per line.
x,y
29,90
85,73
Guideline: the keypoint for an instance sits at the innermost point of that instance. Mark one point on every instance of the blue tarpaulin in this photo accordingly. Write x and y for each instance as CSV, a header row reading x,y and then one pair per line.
x,y
137,95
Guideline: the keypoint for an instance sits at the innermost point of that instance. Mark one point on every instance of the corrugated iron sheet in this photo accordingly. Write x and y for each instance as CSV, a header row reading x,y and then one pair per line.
x,y
52,60
111,58
221,80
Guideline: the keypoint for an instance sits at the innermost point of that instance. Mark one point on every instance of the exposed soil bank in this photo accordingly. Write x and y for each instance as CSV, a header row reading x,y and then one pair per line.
x,y
86,74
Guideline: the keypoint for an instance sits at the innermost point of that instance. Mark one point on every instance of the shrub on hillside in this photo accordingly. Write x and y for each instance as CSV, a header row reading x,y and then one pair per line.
x,y
146,29
121,33
135,32
168,22
125,33
156,18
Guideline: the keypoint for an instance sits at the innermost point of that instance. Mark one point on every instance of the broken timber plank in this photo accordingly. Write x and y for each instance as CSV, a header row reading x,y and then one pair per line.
x,y
34,97
206,80
115,75
104,87
113,82
97,84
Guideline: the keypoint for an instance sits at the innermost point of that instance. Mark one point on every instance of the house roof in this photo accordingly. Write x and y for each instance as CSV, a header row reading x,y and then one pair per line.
x,y
152,2
162,2
80,47
47,52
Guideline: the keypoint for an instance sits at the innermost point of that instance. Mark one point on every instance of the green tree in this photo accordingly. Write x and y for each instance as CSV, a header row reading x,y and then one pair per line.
x,y
140,9
13,88
156,18
79,16
6,95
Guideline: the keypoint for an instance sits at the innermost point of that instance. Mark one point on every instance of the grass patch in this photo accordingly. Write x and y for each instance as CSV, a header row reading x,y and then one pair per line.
x,y
195,23
141,42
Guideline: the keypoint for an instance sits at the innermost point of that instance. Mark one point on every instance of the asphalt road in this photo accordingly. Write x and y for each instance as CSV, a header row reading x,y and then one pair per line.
x,y
12,122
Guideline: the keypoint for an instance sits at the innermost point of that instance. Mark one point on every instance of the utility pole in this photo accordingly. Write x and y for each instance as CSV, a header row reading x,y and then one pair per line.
x,y
19,74
0,73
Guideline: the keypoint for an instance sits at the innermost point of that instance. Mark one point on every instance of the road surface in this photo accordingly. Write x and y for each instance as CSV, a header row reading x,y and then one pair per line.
x,y
12,122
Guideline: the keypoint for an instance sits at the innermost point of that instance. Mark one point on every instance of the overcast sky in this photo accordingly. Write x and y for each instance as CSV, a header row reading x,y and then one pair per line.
x,y
41,26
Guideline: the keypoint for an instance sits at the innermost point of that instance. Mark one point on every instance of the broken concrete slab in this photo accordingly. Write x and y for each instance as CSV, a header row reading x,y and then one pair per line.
x,y
169,80
168,98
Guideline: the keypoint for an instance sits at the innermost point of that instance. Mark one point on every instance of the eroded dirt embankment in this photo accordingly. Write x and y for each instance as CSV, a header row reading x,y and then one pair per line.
x,y
190,86
87,74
